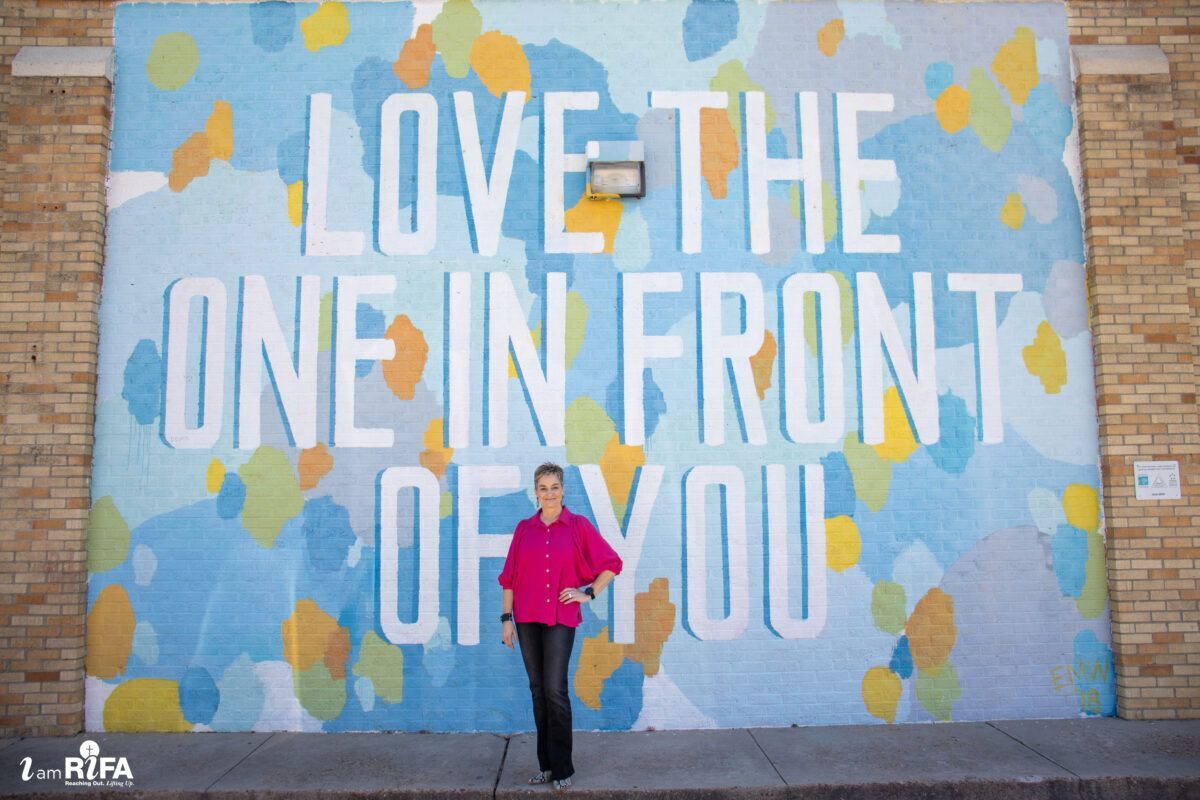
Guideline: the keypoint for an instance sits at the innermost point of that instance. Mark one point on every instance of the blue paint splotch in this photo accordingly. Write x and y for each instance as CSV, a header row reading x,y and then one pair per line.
x,y
938,78
143,386
708,26
1069,547
272,25
1094,677
232,496
327,534
369,323
198,696
654,404
839,486
1048,120
902,661
956,444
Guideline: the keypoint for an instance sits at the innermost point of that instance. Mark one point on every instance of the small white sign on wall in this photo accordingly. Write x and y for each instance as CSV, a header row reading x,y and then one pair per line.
x,y
1156,480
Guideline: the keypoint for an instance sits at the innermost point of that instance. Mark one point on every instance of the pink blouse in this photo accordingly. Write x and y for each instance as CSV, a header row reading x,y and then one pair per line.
x,y
545,559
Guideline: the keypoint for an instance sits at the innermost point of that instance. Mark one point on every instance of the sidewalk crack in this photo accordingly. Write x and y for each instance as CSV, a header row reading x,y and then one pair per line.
x,y
235,766
499,772
1032,750
767,757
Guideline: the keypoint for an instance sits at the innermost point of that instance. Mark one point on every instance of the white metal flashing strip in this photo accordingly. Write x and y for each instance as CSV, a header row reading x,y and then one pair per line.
x,y
63,62
1119,59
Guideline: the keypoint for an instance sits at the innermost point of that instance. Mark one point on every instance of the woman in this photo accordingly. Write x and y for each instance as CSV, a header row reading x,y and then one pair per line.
x,y
553,554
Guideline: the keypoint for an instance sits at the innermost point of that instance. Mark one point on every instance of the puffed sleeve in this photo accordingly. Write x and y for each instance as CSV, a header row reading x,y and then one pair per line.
x,y
508,575
595,554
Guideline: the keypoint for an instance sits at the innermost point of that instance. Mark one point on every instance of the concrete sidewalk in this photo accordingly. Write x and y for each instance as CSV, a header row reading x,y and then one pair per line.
x,y
1093,758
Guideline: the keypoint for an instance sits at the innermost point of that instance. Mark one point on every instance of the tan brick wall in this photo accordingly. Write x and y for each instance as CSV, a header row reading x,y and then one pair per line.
x,y
1140,148
54,138
1140,141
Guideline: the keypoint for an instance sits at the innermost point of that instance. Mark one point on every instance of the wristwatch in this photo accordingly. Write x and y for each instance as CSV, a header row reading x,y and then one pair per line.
x,y
506,617
590,592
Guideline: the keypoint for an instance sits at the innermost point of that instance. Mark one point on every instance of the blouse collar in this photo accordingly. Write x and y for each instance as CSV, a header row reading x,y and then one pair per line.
x,y
563,517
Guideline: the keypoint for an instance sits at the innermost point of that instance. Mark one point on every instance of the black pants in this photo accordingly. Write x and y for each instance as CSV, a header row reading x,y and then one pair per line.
x,y
546,650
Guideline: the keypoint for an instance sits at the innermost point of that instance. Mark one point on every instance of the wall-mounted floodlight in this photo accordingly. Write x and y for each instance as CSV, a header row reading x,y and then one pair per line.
x,y
616,169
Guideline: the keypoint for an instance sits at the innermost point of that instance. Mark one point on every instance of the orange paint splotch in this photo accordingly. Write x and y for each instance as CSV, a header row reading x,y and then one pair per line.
x,y
830,36
313,464
435,457
403,371
762,364
416,57
719,153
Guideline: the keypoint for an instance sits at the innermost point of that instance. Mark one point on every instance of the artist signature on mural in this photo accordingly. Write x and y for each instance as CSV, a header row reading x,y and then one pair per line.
x,y
1082,677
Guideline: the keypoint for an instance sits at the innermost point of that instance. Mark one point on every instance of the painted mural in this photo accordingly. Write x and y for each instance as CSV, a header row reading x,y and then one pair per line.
x,y
827,387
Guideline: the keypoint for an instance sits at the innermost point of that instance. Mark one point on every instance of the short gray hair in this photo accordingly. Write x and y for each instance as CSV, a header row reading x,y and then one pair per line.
x,y
549,468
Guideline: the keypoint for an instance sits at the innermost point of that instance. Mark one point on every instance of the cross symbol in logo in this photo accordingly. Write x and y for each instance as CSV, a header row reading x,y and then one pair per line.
x,y
90,749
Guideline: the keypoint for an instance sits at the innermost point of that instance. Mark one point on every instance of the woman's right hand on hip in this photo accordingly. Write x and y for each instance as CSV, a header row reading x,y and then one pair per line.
x,y
509,633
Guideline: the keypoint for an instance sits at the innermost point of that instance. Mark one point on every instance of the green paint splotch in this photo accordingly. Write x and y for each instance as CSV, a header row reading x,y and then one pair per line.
x,y
454,31
383,664
733,79
577,320
829,211
872,474
108,536
846,298
938,689
325,324
273,494
173,60
1092,599
887,607
990,118
320,693
589,430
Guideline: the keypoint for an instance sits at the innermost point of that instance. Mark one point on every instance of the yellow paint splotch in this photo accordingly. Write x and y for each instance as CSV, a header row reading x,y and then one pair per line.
x,y
843,545
719,153
590,215
214,476
219,130
295,202
898,440
403,371
1012,213
762,364
311,636
313,464
619,465
881,693
931,631
953,108
1015,65
145,705
110,624
328,26
830,36
1081,505
598,660
500,63
416,57
435,457
192,158
1046,360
